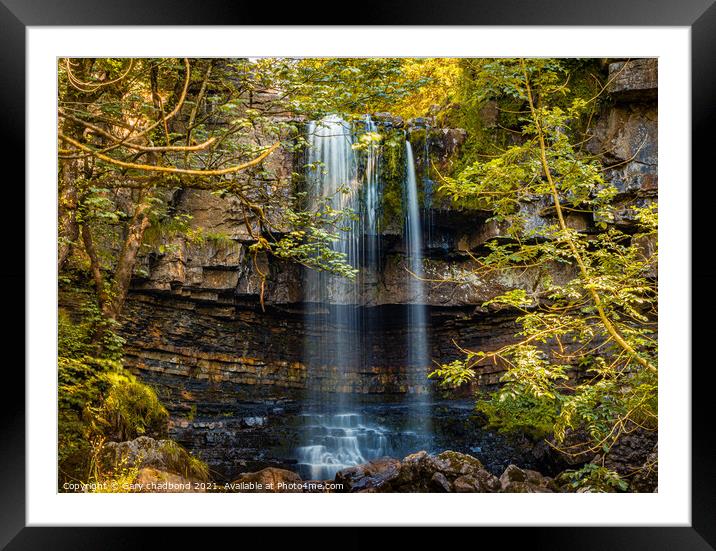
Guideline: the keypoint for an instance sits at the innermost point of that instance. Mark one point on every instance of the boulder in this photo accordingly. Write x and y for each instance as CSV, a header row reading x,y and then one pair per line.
x,y
524,481
513,474
412,468
159,455
151,480
481,481
440,483
374,476
270,479
456,464
448,471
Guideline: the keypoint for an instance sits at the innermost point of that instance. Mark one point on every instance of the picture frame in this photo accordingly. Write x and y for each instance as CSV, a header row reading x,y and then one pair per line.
x,y
700,16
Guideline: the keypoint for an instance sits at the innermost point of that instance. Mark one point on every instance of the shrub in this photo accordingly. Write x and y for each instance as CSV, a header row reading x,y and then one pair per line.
x,y
98,400
182,462
594,478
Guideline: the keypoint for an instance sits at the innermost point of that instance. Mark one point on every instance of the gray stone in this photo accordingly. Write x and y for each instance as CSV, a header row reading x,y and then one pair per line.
x,y
480,481
374,476
634,79
440,483
516,480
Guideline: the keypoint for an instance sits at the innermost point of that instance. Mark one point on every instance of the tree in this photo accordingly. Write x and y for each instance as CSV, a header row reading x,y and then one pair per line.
x,y
112,113
134,132
582,372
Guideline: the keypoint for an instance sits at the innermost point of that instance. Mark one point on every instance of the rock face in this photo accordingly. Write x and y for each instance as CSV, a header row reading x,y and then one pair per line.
x,y
626,136
635,456
448,471
264,353
634,79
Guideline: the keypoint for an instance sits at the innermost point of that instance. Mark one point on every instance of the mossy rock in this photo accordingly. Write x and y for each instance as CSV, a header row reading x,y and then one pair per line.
x,y
459,463
162,455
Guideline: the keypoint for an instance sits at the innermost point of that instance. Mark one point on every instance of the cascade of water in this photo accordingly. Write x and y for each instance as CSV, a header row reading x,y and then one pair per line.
x,y
418,353
333,177
338,331
338,441
371,181
337,335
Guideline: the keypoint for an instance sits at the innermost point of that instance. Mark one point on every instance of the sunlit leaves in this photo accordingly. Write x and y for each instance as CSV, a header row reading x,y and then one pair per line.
x,y
594,478
455,373
565,376
311,238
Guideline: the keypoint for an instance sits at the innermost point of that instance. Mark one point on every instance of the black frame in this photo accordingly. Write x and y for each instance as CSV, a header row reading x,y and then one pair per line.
x,y
700,15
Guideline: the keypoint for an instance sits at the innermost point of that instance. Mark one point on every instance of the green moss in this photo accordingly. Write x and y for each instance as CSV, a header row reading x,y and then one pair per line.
x,y
519,414
131,409
392,176
417,137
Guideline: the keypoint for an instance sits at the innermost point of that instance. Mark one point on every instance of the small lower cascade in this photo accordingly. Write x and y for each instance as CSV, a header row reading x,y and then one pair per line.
x,y
339,440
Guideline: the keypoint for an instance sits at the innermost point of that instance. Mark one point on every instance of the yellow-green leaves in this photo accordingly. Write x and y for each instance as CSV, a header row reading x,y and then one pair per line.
x,y
583,363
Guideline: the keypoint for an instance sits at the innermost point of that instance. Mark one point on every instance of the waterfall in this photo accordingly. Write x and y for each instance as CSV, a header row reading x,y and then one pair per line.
x,y
333,177
414,239
417,330
335,436
335,431
347,179
371,180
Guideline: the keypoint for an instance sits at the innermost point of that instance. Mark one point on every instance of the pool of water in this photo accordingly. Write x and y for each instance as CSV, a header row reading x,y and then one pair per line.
x,y
317,440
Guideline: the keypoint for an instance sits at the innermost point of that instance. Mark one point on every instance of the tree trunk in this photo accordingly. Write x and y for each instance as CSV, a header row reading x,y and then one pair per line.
x,y
68,229
127,260
95,268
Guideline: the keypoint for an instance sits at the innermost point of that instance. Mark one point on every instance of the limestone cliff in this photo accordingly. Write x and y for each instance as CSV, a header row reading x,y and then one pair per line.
x,y
194,309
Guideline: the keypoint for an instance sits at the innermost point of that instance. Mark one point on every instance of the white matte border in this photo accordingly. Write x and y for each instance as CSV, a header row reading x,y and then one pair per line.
x,y
670,506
